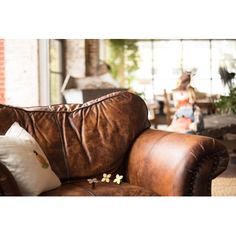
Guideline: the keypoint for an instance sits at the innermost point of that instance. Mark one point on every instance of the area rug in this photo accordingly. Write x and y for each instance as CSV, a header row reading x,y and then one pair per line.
x,y
225,184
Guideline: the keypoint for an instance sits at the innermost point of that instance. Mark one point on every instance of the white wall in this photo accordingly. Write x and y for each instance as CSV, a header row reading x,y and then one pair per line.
x,y
21,72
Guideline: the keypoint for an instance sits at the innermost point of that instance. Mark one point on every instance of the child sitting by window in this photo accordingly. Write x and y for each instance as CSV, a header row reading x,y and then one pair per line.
x,y
188,117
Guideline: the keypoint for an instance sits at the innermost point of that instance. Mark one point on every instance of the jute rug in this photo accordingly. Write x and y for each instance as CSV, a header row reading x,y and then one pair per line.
x,y
225,184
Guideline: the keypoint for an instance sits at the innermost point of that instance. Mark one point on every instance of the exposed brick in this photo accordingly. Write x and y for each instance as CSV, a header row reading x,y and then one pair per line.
x,y
75,57
91,56
2,72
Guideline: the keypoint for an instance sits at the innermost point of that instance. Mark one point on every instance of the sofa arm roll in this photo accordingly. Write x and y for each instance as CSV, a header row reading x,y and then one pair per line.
x,y
8,185
174,164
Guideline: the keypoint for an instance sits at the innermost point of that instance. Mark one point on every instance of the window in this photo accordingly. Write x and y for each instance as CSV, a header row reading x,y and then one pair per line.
x,y
197,58
224,54
144,76
162,62
168,64
56,70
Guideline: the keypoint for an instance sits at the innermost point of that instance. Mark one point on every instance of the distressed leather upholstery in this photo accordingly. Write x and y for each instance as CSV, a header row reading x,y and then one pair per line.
x,y
83,188
174,164
112,135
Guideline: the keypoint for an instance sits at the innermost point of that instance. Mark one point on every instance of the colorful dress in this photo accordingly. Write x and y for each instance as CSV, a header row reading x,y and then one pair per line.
x,y
188,117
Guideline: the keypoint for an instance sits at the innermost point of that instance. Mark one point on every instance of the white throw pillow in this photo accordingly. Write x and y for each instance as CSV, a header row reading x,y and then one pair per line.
x,y
24,158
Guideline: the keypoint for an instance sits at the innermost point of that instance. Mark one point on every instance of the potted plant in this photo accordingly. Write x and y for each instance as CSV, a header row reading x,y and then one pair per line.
x,y
227,104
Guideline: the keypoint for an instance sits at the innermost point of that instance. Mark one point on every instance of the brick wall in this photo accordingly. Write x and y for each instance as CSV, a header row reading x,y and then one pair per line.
x,y
2,72
82,57
75,57
91,56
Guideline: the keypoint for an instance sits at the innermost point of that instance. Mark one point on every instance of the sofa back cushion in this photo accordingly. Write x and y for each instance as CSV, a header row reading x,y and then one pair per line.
x,y
83,140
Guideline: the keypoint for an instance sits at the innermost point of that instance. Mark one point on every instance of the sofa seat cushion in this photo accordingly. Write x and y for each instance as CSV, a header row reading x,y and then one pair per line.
x,y
82,188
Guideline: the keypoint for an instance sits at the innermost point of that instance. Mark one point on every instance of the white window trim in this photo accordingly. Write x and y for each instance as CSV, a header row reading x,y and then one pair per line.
x,y
44,77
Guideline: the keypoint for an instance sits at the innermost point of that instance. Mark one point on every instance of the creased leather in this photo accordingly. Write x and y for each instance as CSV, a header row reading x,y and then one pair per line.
x,y
111,134
83,188
83,140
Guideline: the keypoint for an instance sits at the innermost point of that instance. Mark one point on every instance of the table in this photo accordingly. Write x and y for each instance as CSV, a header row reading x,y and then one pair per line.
x,y
216,126
206,105
223,128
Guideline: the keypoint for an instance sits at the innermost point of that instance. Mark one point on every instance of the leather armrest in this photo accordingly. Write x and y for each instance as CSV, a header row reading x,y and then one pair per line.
x,y
174,164
8,185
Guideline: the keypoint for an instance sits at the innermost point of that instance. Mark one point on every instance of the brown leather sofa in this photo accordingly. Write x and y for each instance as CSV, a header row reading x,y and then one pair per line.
x,y
112,135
